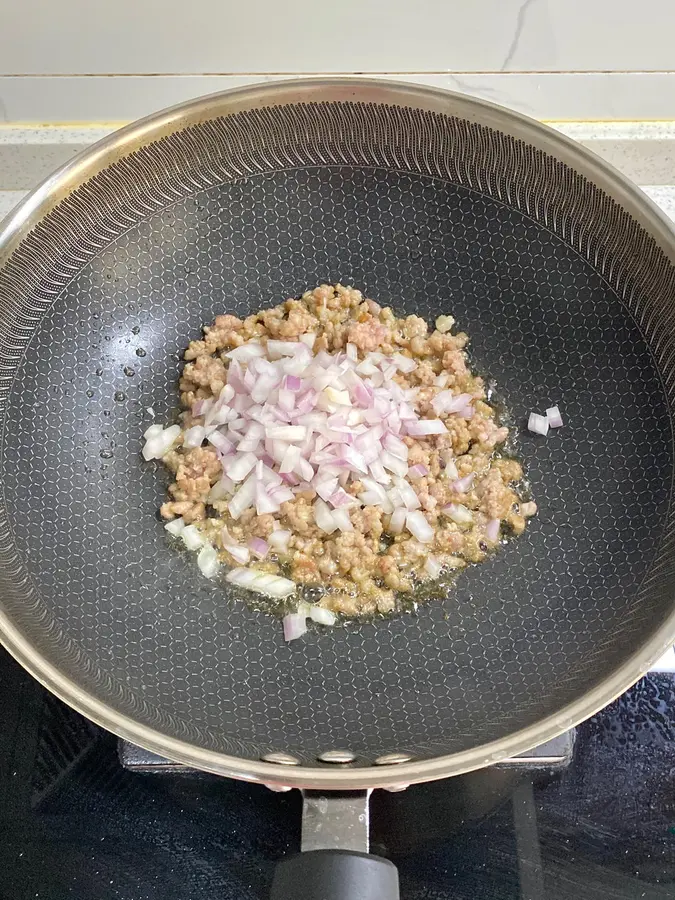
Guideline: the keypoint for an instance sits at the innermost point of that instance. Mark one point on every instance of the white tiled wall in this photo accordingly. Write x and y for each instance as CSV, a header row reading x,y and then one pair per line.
x,y
223,36
83,60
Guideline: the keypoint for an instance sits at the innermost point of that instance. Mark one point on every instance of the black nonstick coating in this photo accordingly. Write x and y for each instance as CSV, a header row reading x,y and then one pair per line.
x,y
100,591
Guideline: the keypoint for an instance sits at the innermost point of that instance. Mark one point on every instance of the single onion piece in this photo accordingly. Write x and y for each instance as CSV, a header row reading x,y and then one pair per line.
x,y
424,427
341,519
324,517
290,459
291,433
248,351
418,526
258,547
538,424
271,585
199,407
393,463
397,520
237,552
377,471
408,495
192,537
160,444
194,436
442,379
264,503
243,499
221,489
175,527
242,577
462,485
417,471
279,540
404,363
355,459
295,626
292,383
281,494
467,412
450,470
286,400
308,339
326,488
207,560
492,530
432,567
458,513
320,615
239,466
371,498
277,349
222,445
152,432
226,393
554,418
446,402
341,499
374,486
304,470
396,447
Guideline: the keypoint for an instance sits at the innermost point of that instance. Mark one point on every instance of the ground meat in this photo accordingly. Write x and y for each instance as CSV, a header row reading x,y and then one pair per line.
x,y
205,372
367,335
367,570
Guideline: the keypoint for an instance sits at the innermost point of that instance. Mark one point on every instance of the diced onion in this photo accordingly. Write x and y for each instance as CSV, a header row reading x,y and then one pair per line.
x,y
152,432
432,567
538,424
417,471
324,517
341,519
397,521
290,420
175,527
418,526
207,560
458,513
194,436
261,582
159,444
295,625
322,616
424,427
258,547
279,540
192,537
554,418
492,530
462,485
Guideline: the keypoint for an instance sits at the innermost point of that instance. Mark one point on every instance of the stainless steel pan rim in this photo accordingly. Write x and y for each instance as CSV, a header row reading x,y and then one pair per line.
x,y
129,139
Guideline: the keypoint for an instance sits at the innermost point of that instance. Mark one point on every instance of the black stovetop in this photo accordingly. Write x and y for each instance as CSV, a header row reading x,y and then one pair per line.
x,y
74,823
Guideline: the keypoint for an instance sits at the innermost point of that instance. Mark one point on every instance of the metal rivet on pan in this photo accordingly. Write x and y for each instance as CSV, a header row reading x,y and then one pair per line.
x,y
281,759
337,756
393,759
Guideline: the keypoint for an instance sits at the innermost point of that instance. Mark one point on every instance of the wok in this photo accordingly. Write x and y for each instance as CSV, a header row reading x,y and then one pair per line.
x,y
562,274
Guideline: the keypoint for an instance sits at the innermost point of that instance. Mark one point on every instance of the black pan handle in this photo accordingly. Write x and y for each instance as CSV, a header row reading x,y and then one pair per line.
x,y
335,875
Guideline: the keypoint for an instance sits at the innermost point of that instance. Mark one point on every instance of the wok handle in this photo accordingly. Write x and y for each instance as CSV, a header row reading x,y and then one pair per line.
x,y
335,875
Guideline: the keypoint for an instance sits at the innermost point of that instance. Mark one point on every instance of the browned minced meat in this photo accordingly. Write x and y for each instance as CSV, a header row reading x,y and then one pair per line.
x,y
366,570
